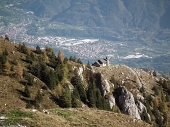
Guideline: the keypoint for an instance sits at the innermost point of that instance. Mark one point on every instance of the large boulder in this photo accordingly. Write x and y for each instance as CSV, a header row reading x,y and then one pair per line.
x,y
126,103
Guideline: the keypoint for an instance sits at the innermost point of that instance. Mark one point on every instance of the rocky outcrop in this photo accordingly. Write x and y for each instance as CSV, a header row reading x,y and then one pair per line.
x,y
142,108
111,100
106,87
127,104
80,72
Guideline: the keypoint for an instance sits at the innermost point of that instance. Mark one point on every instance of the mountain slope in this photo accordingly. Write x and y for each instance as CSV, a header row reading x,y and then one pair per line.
x,y
32,78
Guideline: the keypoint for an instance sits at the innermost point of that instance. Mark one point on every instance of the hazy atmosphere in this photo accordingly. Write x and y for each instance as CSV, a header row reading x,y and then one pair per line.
x,y
85,63
135,33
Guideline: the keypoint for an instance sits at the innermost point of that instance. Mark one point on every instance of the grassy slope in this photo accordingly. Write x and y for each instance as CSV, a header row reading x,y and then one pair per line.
x,y
82,117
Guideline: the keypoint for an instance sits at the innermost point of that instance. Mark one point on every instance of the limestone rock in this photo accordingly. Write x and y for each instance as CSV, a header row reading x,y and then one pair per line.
x,y
127,103
80,73
111,100
106,87
141,107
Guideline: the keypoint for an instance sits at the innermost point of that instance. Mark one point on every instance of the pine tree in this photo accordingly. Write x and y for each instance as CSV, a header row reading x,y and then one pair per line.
x,y
39,97
61,55
23,48
28,58
76,81
145,117
76,93
71,58
38,50
49,51
30,79
79,61
156,89
45,57
91,98
74,101
32,56
6,37
163,107
99,98
155,101
26,91
19,70
88,65
7,68
66,99
5,52
92,95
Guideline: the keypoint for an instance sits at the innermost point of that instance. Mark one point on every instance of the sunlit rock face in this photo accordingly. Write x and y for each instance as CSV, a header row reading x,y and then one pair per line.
x,y
127,103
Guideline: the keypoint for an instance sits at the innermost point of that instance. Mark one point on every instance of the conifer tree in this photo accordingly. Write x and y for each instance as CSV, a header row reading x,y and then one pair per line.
x,y
6,37
38,97
27,92
5,52
45,57
76,93
30,79
7,68
49,51
79,61
99,98
51,80
3,58
88,65
32,56
91,95
74,101
23,48
65,60
19,70
38,50
61,55
76,81
145,117
66,99
91,98
71,58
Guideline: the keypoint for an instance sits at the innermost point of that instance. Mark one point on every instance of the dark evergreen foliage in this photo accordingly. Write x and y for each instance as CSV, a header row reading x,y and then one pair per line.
x,y
39,97
79,61
66,99
27,92
76,81
38,50
88,65
22,48
74,101
145,117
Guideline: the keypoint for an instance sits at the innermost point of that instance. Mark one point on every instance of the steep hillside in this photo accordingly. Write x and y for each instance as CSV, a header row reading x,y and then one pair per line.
x,y
39,79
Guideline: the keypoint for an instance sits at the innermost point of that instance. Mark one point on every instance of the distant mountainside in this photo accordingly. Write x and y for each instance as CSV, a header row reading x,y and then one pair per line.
x,y
141,26
112,15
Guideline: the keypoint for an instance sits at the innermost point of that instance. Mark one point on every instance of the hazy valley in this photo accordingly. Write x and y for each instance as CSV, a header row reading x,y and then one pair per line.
x,y
125,33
